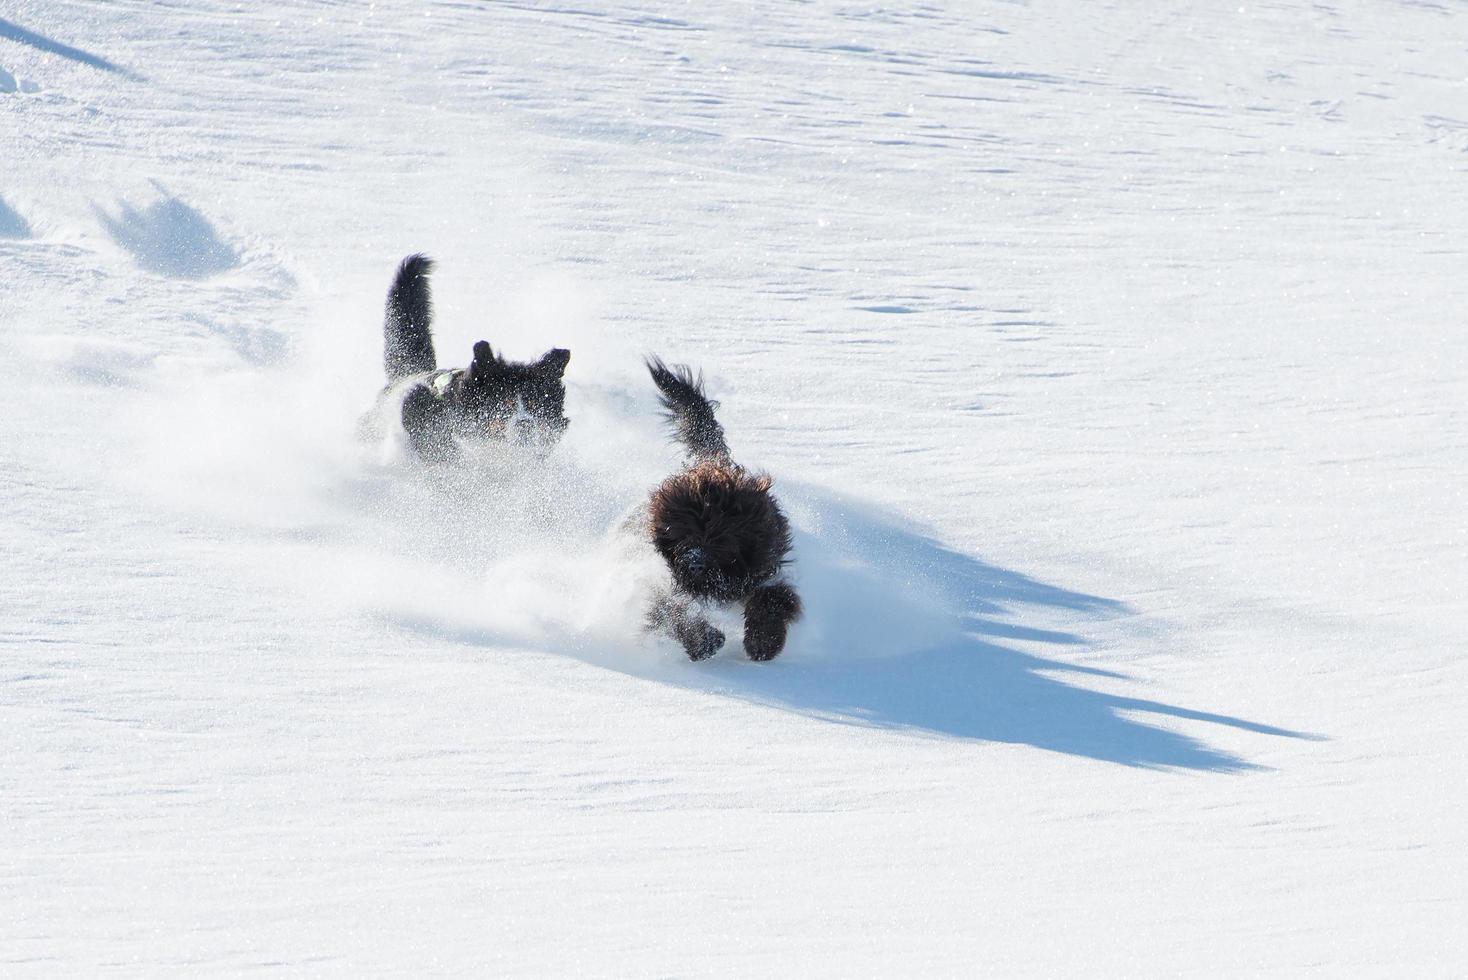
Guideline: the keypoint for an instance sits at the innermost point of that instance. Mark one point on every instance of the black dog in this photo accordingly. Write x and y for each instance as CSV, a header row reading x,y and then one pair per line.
x,y
720,532
491,400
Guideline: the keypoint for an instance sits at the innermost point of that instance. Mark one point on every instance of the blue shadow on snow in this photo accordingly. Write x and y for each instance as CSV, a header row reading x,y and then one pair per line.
x,y
903,633
170,238
12,224
11,31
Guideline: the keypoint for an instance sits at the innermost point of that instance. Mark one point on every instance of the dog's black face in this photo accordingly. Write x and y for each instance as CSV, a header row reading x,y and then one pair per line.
x,y
719,530
519,404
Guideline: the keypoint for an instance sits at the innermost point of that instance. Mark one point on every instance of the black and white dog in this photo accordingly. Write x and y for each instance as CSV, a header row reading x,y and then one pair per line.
x,y
719,531
444,409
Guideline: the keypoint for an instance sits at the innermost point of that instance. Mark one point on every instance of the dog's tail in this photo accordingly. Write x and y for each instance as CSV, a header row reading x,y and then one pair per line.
x,y
690,412
407,345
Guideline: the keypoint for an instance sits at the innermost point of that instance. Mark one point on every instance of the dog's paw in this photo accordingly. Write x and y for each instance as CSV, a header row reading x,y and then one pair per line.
x,y
768,613
704,643
765,641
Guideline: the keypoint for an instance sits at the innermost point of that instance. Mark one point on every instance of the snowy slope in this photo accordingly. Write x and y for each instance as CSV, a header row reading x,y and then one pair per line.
x,y
1110,359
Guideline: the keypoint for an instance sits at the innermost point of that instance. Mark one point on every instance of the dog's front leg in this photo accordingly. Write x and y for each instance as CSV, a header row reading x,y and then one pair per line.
x,y
427,423
768,613
675,616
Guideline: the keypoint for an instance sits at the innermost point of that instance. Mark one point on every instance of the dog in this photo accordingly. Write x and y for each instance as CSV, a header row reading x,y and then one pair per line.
x,y
444,409
719,530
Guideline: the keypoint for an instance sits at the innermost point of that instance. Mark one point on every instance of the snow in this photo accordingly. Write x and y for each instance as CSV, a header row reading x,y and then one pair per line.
x,y
1109,359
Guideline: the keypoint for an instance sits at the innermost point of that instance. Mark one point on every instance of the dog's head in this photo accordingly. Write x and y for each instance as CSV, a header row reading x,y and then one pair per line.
x,y
719,529
516,403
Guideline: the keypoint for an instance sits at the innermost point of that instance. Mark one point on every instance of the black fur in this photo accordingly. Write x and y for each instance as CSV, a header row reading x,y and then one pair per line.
x,y
407,344
491,400
768,612
676,617
689,411
719,530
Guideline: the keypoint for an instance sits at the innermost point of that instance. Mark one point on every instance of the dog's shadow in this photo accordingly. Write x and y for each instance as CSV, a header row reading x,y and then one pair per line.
x,y
169,237
903,633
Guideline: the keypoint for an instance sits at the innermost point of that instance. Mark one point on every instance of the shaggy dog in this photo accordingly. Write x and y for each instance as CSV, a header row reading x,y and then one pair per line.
x,y
492,400
719,531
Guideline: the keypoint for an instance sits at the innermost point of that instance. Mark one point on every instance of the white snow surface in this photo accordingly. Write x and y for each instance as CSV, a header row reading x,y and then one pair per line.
x,y
1110,359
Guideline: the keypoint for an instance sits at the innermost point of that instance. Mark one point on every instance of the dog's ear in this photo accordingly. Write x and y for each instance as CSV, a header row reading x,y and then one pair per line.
x,y
553,362
483,362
